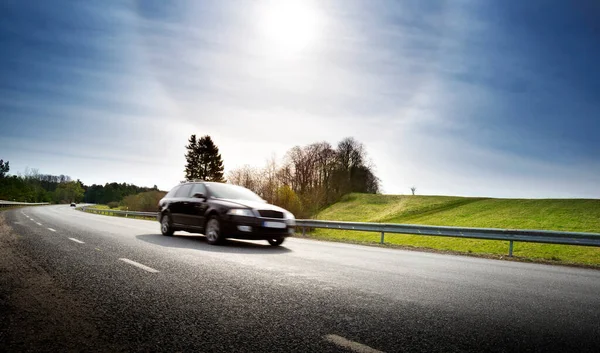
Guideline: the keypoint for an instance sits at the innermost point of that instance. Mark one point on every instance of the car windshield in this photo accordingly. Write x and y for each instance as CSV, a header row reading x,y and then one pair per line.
x,y
233,192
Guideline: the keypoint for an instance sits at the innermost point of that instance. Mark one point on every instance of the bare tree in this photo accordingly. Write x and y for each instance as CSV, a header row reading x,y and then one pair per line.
x,y
312,176
245,176
269,180
351,153
413,189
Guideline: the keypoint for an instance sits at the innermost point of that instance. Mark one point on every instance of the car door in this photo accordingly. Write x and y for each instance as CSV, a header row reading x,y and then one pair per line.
x,y
198,206
180,205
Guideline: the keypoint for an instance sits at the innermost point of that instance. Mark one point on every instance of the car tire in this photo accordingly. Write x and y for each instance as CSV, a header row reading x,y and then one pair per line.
x,y
276,241
166,225
213,232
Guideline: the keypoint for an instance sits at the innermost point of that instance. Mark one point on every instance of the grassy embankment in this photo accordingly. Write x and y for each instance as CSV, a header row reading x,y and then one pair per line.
x,y
120,208
579,215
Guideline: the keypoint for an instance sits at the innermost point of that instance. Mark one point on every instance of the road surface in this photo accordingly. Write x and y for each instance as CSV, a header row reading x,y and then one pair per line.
x,y
72,281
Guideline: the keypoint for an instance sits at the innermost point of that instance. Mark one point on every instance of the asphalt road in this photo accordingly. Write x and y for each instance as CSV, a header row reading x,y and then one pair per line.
x,y
72,281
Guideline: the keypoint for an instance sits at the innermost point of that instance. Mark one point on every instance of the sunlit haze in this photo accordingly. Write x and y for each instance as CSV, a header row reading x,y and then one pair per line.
x,y
289,26
473,98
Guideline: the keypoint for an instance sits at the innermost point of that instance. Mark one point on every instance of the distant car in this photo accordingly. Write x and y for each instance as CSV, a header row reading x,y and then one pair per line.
x,y
73,204
221,211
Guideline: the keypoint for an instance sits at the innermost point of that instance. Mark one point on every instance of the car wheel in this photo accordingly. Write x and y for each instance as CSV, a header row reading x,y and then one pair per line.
x,y
166,226
213,231
276,241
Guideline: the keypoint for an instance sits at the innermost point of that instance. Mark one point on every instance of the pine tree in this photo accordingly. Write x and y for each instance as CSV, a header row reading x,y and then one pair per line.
x,y
203,160
215,162
192,160
4,168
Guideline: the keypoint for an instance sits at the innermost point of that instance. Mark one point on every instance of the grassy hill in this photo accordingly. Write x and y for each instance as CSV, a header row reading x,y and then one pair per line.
x,y
582,215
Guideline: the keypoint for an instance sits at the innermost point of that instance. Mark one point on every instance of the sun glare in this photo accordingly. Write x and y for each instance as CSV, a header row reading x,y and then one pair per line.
x,y
289,26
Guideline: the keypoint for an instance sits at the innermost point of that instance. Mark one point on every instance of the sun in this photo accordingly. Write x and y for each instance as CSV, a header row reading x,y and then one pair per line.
x,y
289,26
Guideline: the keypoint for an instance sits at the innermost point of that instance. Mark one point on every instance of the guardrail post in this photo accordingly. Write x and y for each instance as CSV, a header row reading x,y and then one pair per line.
x,y
303,231
382,237
510,249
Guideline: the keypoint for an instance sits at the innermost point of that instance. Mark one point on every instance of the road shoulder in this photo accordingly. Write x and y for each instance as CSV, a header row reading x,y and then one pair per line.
x,y
38,315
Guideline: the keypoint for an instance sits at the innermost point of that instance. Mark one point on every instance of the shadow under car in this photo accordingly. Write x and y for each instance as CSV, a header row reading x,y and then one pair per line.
x,y
198,242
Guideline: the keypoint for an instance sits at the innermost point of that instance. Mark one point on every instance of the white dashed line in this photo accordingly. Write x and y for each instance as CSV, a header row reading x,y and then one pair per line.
x,y
38,223
77,241
351,345
137,264
52,230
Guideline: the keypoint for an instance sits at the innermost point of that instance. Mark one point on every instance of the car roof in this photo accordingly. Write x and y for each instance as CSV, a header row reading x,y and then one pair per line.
x,y
193,182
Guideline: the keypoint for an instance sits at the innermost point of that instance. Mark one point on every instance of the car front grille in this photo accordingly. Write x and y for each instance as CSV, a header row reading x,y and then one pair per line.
x,y
270,214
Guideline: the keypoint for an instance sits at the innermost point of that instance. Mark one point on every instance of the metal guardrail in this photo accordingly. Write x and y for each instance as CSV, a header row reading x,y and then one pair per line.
x,y
14,203
510,235
118,212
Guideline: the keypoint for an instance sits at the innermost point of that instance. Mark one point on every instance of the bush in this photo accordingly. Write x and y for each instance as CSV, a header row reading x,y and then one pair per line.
x,y
144,201
113,204
286,197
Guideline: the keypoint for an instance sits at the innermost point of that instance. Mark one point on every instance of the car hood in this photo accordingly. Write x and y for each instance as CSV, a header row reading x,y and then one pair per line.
x,y
253,204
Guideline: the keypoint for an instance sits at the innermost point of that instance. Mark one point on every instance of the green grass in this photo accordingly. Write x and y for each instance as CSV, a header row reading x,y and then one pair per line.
x,y
6,208
581,215
105,207
100,207
120,208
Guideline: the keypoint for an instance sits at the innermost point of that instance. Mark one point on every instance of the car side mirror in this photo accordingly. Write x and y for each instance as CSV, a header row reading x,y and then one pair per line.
x,y
199,195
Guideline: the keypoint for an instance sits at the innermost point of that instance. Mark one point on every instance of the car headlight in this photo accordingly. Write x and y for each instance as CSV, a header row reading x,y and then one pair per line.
x,y
289,215
241,212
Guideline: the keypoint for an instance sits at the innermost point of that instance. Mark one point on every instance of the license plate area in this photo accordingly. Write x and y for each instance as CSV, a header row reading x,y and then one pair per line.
x,y
276,225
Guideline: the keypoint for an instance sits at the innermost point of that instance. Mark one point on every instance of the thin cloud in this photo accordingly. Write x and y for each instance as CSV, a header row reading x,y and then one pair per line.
x,y
442,94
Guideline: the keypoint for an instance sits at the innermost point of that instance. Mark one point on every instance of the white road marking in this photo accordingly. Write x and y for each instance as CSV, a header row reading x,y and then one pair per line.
x,y
52,230
351,345
137,264
77,241
38,223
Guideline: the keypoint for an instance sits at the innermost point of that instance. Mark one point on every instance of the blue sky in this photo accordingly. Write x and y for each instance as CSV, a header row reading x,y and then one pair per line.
x,y
474,98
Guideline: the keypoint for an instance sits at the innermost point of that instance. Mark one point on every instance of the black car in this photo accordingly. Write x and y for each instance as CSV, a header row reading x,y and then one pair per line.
x,y
222,211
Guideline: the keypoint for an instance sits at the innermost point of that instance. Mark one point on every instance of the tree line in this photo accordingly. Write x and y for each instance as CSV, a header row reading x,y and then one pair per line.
x,y
311,177
32,186
35,187
112,192
308,179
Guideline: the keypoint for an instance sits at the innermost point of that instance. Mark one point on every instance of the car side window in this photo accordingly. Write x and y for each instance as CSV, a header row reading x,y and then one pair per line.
x,y
184,191
198,188
172,192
